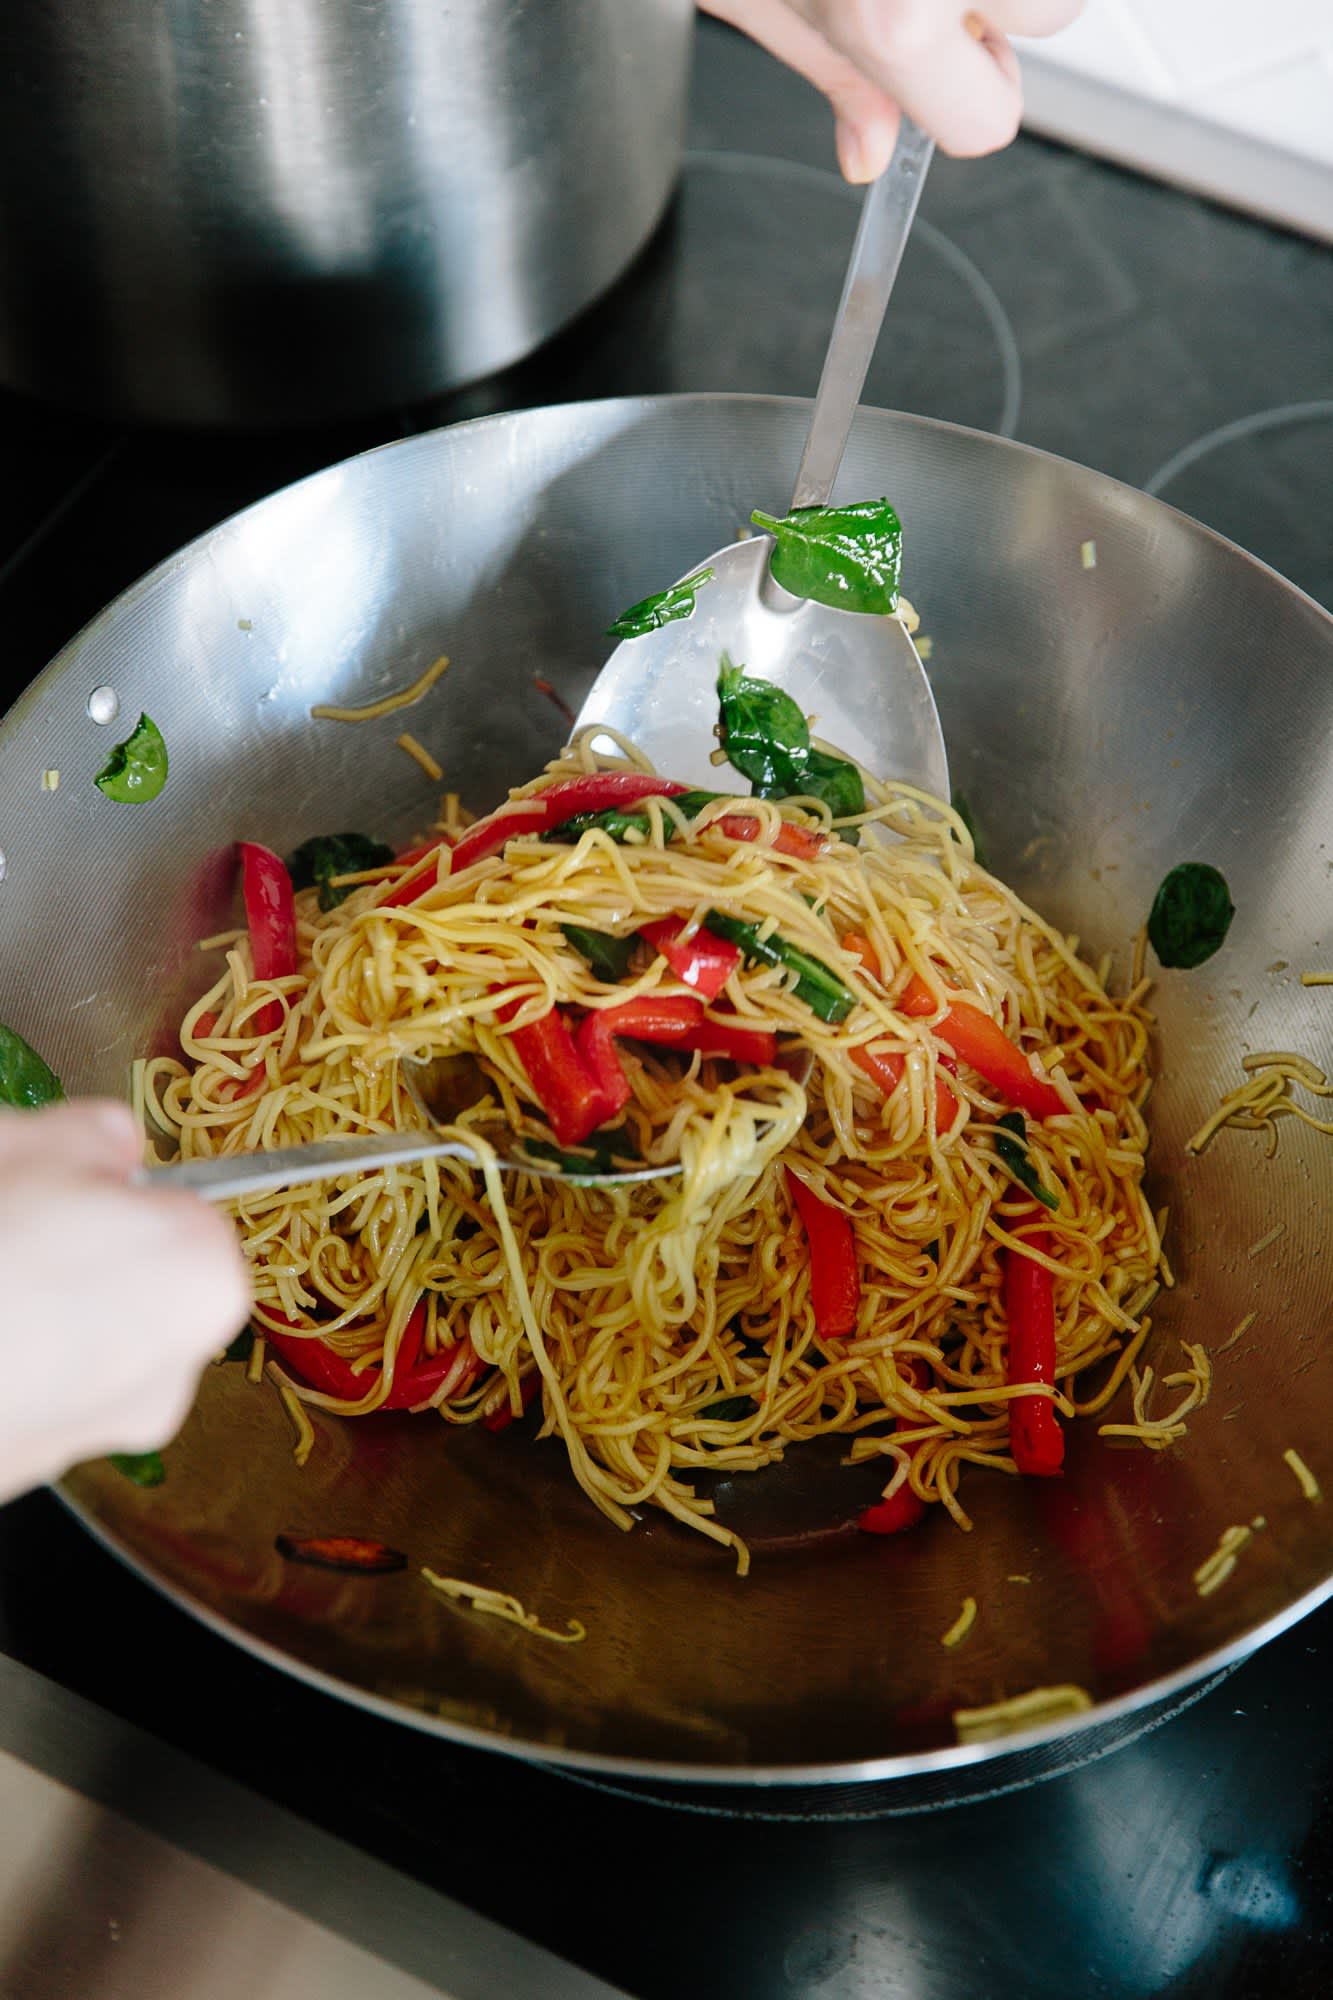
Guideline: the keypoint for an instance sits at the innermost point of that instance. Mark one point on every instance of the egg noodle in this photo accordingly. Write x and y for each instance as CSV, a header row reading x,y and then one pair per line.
x,y
668,1326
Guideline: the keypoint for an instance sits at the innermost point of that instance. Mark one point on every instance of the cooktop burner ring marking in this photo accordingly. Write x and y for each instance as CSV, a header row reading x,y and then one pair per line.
x,y
1259,421
944,246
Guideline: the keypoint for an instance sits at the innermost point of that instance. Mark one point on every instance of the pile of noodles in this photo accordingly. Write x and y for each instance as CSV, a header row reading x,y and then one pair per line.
x,y
649,1311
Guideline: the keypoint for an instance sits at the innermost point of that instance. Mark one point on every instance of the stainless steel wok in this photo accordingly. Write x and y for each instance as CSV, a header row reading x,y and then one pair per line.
x,y
1173,702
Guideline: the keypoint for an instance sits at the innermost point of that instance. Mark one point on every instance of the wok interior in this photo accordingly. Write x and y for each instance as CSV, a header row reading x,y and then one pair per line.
x,y
1173,702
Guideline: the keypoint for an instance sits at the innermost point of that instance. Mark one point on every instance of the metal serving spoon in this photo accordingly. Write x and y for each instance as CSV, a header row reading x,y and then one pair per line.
x,y
859,675
441,1088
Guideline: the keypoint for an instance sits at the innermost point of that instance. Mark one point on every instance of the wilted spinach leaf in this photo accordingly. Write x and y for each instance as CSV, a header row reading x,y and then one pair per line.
x,y
1191,914
1014,1153
848,557
317,861
25,1080
664,607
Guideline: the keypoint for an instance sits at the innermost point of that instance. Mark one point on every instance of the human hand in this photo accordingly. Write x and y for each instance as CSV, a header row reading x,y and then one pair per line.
x,y
949,68
112,1297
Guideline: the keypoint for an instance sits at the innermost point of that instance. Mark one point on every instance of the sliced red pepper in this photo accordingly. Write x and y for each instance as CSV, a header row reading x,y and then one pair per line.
x,y
344,1552
501,1418
570,1093
905,1507
567,798
597,1052
1035,1436
982,1042
886,1066
702,960
791,837
743,1045
674,1020
835,1278
270,916
414,1380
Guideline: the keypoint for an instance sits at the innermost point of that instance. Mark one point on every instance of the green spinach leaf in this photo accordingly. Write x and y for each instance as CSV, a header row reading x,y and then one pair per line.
x,y
25,1080
730,1410
1014,1154
763,732
136,770
145,1468
962,805
618,824
602,1153
767,738
820,987
318,860
839,785
847,557
1191,915
608,956
664,607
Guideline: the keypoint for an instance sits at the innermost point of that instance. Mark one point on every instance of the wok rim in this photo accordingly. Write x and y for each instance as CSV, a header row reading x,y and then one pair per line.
x,y
703,1776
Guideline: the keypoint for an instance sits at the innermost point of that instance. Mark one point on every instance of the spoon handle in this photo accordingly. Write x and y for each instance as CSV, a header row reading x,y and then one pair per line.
x,y
881,236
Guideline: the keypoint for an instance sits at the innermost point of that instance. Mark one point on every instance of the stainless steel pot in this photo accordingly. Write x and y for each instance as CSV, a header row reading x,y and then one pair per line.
x,y
1174,702
265,211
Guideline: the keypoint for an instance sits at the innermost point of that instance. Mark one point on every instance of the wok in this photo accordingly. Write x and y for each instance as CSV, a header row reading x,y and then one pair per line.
x,y
1173,702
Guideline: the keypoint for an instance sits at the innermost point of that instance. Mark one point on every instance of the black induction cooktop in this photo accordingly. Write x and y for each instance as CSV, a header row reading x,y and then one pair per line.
x,y
1047,297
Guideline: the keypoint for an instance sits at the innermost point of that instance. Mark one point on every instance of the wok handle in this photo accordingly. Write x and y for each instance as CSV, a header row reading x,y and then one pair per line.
x,y
224,1178
881,236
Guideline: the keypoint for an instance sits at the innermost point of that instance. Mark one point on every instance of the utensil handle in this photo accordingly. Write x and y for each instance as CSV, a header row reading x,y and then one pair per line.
x,y
291,1166
881,236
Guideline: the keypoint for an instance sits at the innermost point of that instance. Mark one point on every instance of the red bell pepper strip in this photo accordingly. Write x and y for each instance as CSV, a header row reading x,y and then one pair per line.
x,y
886,1067
674,1020
597,1052
270,916
976,1039
570,1093
791,837
567,798
743,1045
835,1280
1035,1437
905,1507
702,961
502,1417
341,1552
414,1380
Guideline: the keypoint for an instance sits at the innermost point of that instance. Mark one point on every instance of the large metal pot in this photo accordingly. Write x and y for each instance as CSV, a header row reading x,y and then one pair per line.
x,y
263,211
1175,701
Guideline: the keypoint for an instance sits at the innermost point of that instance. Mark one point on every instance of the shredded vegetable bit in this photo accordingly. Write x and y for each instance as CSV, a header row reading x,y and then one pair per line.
x,y
1214,1571
50,781
1309,1485
1157,1432
1266,1242
925,645
1317,979
1021,1711
301,1424
962,1624
906,614
1242,1328
332,712
498,1604
1087,554
1268,1093
420,755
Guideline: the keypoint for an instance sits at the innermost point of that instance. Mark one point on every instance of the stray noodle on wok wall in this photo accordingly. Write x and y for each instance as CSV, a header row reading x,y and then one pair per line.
x,y
921,1247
